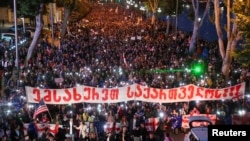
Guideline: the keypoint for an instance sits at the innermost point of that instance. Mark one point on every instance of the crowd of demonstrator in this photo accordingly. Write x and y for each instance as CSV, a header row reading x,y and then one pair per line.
x,y
113,47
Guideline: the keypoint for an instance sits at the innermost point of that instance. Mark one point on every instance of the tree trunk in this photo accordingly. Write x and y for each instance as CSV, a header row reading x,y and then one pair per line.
x,y
39,27
67,12
218,28
167,28
197,24
193,41
233,37
153,18
227,60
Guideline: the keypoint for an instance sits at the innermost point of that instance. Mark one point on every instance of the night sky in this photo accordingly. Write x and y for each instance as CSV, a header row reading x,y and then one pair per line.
x,y
4,3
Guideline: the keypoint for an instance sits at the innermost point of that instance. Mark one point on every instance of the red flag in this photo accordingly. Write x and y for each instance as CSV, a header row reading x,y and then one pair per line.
x,y
42,107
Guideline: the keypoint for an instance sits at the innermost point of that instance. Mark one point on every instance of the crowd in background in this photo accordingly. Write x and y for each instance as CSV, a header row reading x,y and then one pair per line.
x,y
113,47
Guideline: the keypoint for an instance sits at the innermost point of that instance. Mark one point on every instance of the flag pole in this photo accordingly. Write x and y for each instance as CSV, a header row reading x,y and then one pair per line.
x,y
48,112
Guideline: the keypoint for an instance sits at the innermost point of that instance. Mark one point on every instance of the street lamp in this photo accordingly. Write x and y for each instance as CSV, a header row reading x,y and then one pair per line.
x,y
23,25
159,10
16,43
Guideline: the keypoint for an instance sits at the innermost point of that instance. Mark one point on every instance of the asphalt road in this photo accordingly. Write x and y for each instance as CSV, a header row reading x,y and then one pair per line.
x,y
178,137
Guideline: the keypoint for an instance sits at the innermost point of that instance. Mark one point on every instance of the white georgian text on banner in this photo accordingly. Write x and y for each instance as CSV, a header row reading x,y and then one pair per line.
x,y
132,92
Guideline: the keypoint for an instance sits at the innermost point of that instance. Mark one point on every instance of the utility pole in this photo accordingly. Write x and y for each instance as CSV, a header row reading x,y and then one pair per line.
x,y
176,17
52,23
16,45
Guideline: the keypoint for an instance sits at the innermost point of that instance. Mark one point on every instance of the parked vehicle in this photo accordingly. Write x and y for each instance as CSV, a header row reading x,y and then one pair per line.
x,y
7,36
198,128
19,27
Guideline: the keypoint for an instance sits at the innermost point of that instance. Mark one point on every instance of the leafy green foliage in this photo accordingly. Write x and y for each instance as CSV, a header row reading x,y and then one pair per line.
x,y
241,9
71,4
169,6
30,8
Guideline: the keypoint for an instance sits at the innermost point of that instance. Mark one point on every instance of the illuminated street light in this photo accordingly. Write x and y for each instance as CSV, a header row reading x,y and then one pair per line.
x,y
159,10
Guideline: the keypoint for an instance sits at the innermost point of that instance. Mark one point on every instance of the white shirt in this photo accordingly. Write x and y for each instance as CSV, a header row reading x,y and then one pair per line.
x,y
71,127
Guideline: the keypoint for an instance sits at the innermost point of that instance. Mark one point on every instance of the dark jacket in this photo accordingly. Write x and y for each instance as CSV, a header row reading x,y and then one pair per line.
x,y
127,137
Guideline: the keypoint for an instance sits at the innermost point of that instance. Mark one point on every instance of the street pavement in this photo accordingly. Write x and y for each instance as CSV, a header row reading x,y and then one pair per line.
x,y
178,137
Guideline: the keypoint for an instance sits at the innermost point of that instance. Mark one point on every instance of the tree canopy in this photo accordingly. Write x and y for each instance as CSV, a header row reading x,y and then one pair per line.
x,y
242,10
30,8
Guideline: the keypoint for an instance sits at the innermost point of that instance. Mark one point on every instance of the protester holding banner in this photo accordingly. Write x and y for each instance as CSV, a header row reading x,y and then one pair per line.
x,y
100,63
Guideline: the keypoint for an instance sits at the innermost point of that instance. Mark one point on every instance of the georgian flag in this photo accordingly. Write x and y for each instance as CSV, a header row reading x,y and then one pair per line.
x,y
52,128
151,124
112,126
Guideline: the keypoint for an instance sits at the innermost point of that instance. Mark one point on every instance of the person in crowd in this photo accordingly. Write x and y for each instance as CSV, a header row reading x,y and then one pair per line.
x,y
124,121
4,138
133,123
57,120
17,134
44,135
32,130
60,136
92,129
1,133
136,133
151,137
44,119
65,122
143,131
168,137
83,131
110,117
92,136
124,135
111,136
99,53
194,111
